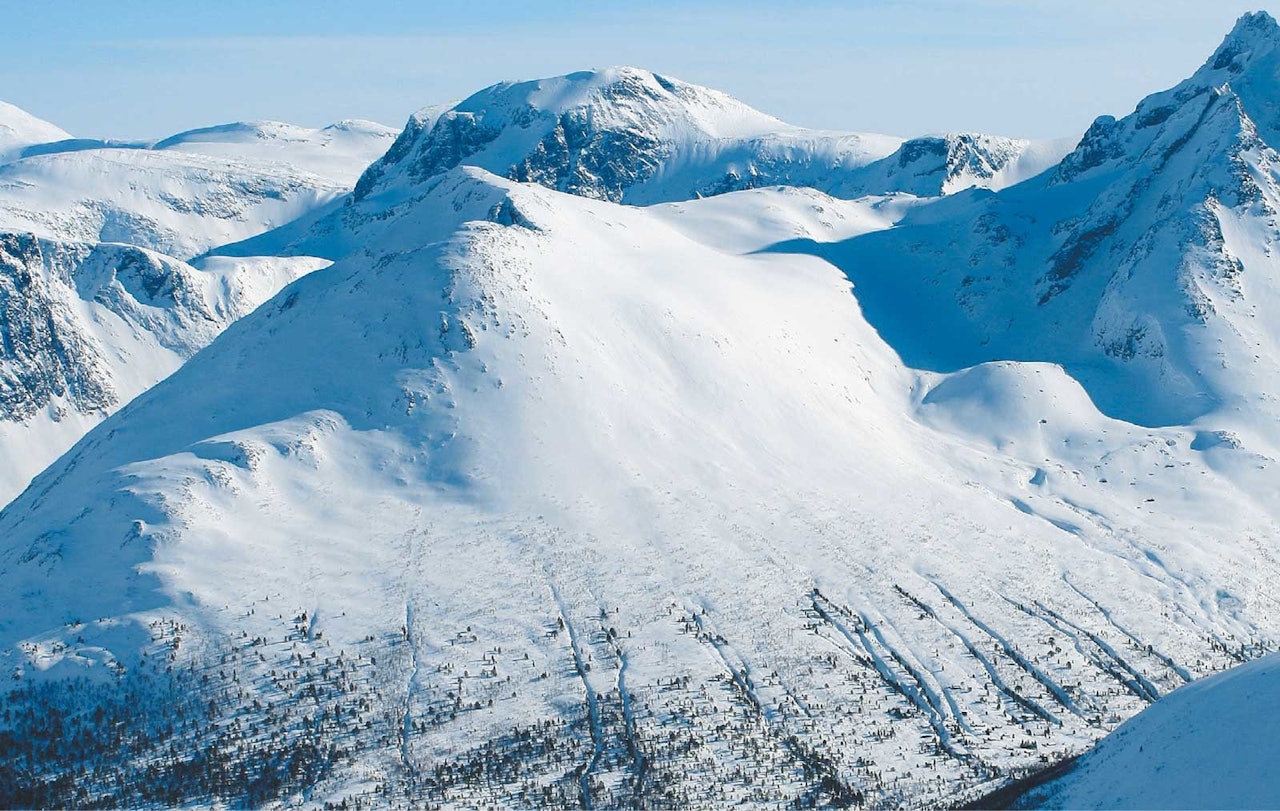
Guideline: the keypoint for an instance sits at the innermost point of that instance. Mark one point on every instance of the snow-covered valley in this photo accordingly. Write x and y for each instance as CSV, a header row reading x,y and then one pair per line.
x,y
598,469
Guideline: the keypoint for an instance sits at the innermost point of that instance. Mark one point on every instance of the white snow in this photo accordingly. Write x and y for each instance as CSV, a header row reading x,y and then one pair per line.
x,y
19,129
622,134
180,195
175,198
123,332
760,498
1211,744
595,412
338,152
952,162
177,203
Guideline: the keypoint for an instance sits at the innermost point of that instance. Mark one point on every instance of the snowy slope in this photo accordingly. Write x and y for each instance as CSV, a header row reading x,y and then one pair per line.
x,y
87,330
1211,744
339,152
86,327
19,129
609,494
534,499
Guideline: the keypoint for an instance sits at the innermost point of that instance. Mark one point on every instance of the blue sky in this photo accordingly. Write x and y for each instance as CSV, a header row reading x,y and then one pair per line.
x,y
1038,68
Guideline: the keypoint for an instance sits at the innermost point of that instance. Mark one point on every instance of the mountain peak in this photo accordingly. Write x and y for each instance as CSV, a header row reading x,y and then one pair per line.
x,y
19,129
612,133
1254,34
1243,67
584,87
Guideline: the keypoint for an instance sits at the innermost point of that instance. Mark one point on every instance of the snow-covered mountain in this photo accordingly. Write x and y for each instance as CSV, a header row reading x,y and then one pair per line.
x,y
184,194
535,499
609,493
1143,262
99,305
177,203
86,327
339,152
1211,744
628,135
936,165
19,130
620,134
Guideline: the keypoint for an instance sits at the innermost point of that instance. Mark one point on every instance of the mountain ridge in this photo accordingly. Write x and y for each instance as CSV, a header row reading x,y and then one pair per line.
x,y
1135,252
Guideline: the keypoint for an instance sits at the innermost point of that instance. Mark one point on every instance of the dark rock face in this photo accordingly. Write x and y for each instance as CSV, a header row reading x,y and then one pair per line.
x,y
430,150
1102,142
578,154
937,165
577,158
919,149
42,354
46,352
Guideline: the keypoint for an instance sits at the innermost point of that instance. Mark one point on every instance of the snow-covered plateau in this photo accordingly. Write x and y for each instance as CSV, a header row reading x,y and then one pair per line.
x,y
609,443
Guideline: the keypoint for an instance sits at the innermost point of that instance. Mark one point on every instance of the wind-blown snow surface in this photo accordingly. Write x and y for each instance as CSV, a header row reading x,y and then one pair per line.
x,y
177,203
339,152
1211,744
544,500
536,499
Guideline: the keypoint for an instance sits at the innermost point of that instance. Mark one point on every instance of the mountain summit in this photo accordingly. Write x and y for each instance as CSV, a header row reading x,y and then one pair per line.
x,y
621,134
19,130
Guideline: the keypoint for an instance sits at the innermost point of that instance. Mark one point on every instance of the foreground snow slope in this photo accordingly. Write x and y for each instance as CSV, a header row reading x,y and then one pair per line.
x,y
535,499
86,327
540,500
1211,744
